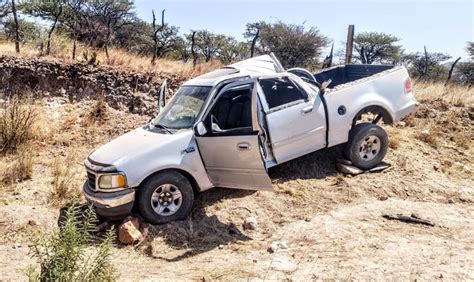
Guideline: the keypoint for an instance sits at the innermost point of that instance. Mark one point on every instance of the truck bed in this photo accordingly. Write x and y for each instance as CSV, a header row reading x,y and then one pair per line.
x,y
348,73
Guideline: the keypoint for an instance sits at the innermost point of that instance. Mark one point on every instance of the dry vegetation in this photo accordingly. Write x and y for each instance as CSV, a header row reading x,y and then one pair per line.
x,y
331,222
117,58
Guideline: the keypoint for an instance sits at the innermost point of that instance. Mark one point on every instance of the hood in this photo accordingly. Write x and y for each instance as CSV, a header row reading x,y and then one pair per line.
x,y
138,143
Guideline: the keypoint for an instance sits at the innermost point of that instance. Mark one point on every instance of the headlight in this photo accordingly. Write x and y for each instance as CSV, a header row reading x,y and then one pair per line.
x,y
111,181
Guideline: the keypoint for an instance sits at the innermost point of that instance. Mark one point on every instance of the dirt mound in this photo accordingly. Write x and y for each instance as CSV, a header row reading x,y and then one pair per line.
x,y
124,90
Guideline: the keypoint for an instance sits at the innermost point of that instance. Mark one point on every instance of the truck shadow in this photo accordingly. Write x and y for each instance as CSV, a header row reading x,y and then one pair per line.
x,y
198,234
317,165
203,232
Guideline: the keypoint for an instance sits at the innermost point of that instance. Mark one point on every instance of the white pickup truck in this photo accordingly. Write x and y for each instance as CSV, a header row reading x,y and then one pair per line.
x,y
227,127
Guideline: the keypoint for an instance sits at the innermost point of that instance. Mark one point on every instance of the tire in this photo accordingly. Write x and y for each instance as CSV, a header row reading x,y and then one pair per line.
x,y
367,145
158,200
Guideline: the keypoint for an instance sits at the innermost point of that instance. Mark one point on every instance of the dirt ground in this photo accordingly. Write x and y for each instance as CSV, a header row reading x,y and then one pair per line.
x,y
329,226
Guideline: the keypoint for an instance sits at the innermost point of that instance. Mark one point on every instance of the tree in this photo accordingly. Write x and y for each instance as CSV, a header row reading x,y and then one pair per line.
x,y
470,49
209,44
112,15
377,47
135,37
5,8
17,27
46,10
167,40
427,65
294,45
232,50
72,21
156,30
28,31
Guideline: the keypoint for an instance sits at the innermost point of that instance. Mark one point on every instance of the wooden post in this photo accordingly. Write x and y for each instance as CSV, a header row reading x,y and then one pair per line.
x,y
349,44
193,52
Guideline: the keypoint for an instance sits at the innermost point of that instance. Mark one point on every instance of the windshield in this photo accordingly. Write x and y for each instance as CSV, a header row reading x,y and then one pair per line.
x,y
183,108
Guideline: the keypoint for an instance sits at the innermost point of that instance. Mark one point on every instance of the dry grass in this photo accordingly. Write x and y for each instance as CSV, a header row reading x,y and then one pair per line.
x,y
428,137
17,167
457,95
62,49
65,181
17,118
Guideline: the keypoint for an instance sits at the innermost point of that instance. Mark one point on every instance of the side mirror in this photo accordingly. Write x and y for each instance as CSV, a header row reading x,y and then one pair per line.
x,y
200,129
162,96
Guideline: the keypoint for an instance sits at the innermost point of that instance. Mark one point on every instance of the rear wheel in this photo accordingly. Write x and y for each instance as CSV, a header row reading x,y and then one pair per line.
x,y
367,146
166,196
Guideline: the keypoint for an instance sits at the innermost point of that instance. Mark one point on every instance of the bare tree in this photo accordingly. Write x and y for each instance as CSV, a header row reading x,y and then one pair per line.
x,y
17,27
254,41
450,73
155,33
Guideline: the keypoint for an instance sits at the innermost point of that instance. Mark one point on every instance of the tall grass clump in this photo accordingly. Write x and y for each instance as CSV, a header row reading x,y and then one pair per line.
x,y
18,167
17,118
64,182
66,254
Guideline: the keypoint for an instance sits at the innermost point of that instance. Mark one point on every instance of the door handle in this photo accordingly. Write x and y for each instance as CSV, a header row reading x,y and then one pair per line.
x,y
307,110
243,146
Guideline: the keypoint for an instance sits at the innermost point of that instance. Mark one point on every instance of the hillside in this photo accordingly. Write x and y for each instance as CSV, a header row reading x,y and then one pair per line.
x,y
328,225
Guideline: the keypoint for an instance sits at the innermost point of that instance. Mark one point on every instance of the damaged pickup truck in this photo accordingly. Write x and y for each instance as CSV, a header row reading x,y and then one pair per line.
x,y
227,127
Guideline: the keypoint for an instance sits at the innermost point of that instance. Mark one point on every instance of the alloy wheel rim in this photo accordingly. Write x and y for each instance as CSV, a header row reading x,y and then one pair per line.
x,y
370,148
166,199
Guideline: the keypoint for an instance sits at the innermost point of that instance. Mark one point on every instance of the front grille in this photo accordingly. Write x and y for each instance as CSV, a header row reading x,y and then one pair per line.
x,y
91,180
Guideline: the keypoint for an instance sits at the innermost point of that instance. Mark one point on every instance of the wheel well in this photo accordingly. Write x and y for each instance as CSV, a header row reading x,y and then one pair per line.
x,y
387,118
183,172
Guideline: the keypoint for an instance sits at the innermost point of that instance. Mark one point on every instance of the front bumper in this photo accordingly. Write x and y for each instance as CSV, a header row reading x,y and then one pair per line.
x,y
111,205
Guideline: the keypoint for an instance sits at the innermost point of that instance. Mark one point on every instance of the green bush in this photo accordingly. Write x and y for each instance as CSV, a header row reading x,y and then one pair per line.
x,y
66,254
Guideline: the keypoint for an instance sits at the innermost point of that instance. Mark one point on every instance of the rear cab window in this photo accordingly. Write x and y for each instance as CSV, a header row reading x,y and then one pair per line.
x,y
281,91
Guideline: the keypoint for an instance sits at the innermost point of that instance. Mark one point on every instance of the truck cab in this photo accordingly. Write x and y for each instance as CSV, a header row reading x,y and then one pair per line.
x,y
221,129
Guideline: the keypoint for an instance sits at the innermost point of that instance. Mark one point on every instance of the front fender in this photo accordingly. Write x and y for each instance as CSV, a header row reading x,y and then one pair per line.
x,y
182,154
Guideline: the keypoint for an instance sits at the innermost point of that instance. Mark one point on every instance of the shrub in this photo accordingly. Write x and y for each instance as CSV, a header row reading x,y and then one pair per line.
x,y
63,255
16,121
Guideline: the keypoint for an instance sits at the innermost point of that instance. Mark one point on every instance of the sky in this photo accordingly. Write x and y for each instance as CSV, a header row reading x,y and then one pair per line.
x,y
443,26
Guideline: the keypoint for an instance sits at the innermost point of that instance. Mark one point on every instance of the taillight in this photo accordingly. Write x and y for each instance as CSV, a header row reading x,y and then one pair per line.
x,y
408,86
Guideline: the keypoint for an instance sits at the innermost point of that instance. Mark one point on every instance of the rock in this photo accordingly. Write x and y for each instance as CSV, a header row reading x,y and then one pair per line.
x,y
383,198
250,223
31,222
206,279
380,167
276,246
344,161
129,231
283,264
348,169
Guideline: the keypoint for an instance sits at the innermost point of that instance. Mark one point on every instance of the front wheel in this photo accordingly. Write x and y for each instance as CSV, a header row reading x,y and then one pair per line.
x,y
166,196
367,146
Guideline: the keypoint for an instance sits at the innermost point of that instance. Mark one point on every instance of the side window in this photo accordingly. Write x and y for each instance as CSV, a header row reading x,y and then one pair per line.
x,y
232,111
280,91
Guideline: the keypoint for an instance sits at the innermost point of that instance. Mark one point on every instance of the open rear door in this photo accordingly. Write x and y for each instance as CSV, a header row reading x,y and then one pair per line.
x,y
230,148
